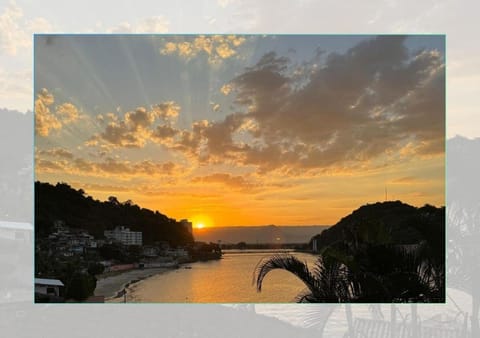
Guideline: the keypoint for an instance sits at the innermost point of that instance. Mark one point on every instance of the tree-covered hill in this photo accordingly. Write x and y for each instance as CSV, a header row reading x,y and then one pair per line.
x,y
381,253
400,222
78,210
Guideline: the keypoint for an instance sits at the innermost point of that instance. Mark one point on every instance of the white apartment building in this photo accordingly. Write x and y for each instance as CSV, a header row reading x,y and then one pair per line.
x,y
124,236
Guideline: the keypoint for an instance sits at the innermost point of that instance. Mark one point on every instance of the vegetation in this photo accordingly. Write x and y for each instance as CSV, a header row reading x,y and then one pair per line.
x,y
78,210
80,286
77,274
386,252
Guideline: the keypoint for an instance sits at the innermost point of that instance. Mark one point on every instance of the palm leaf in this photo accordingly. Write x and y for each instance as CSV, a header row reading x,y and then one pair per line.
x,y
288,263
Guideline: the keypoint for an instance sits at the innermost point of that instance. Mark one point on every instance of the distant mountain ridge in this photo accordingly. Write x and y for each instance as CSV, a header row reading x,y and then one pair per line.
x,y
266,234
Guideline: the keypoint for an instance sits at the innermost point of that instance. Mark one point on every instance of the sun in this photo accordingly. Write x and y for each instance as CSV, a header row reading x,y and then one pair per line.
x,y
201,221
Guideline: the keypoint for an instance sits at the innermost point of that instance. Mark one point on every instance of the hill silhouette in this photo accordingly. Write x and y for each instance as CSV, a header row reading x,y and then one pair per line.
x,y
78,210
400,222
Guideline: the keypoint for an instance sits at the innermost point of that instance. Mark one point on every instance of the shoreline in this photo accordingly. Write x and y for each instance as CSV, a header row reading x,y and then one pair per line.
x,y
111,287
112,284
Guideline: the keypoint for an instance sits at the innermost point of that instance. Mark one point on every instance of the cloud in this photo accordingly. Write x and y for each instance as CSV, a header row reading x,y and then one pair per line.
x,y
55,152
137,127
211,142
108,167
47,120
169,48
16,49
355,108
139,118
224,50
231,181
192,143
67,112
219,135
12,37
215,47
376,103
143,168
167,110
122,134
154,25
16,88
164,132
48,166
16,31
146,189
226,89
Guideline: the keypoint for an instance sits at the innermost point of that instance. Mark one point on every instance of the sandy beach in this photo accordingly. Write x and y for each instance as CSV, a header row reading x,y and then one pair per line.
x,y
110,286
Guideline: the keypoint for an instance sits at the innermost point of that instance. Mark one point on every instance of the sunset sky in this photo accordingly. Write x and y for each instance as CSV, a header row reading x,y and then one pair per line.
x,y
243,130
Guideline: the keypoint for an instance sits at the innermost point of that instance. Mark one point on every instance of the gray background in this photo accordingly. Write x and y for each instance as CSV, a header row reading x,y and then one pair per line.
x,y
19,317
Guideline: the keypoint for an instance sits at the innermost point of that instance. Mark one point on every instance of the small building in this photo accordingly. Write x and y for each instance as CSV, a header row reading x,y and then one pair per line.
x,y
49,287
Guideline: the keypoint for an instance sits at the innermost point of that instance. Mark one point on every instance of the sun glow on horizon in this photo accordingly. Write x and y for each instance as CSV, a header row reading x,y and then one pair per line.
x,y
202,221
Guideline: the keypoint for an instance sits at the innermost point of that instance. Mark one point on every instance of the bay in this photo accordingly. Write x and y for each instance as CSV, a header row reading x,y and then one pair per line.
x,y
228,280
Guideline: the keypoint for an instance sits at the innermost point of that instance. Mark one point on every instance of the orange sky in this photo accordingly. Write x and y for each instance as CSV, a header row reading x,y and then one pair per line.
x,y
243,130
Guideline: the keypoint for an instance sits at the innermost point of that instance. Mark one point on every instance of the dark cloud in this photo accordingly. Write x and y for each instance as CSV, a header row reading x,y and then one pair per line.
x,y
164,132
370,101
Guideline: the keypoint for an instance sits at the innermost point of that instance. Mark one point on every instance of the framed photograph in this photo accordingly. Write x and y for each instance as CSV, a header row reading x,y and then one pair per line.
x,y
239,168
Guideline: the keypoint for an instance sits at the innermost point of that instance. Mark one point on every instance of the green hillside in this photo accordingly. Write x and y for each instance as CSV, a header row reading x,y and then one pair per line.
x,y
78,210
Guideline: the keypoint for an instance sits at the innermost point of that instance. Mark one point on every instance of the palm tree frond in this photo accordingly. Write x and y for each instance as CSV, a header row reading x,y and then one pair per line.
x,y
288,263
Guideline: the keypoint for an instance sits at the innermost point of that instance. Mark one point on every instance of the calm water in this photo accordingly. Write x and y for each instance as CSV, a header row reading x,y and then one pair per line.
x,y
228,280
